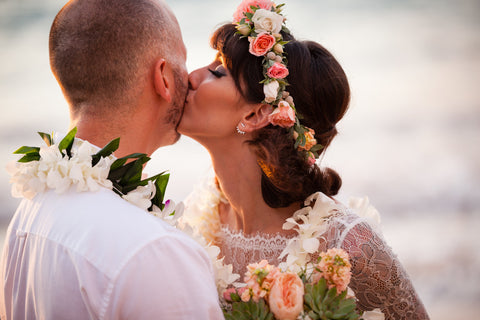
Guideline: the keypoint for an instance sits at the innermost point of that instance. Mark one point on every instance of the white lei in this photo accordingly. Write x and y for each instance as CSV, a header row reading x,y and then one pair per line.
x,y
57,172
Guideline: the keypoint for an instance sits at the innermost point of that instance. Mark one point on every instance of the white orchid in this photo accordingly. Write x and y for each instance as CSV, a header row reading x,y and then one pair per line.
x,y
171,213
141,196
309,222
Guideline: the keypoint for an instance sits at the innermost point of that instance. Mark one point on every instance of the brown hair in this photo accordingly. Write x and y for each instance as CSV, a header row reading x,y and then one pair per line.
x,y
100,48
321,93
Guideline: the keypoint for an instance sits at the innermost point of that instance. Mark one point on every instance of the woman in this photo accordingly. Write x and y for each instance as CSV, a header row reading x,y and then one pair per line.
x,y
263,142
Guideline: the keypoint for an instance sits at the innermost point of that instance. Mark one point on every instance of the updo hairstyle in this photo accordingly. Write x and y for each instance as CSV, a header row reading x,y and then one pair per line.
x,y
321,94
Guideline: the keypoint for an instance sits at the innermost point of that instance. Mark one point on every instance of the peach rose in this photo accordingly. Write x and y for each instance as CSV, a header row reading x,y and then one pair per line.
x,y
277,71
245,7
286,296
260,45
283,115
310,140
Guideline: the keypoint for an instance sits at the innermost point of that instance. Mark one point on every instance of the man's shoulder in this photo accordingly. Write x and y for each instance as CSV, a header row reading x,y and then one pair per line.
x,y
98,226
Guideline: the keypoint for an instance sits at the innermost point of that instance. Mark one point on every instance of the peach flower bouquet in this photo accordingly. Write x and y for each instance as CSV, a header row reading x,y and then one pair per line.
x,y
270,293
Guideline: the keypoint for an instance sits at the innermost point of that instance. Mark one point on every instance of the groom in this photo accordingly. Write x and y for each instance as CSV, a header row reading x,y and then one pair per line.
x,y
92,255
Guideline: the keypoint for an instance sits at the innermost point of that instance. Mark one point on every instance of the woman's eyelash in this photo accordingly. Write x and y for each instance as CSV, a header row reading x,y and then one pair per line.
x,y
217,73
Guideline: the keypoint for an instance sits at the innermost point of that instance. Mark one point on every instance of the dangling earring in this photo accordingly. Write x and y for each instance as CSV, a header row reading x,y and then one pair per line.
x,y
239,130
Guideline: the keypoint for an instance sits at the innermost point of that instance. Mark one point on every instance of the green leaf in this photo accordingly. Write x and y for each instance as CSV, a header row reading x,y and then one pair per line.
x,y
160,185
46,137
33,156
316,148
285,29
121,161
67,142
134,173
106,151
25,150
249,15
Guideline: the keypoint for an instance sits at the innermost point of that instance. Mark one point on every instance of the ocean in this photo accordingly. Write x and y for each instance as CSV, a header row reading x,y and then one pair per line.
x,y
409,141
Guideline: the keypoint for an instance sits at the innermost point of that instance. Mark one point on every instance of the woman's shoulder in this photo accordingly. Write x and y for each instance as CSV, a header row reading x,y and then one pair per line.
x,y
201,208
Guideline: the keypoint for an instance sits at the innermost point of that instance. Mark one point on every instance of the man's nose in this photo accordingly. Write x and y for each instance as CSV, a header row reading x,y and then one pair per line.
x,y
195,78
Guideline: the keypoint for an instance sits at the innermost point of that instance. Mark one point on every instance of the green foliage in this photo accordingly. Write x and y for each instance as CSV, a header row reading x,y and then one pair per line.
x,y
47,138
67,142
323,303
106,151
250,310
30,153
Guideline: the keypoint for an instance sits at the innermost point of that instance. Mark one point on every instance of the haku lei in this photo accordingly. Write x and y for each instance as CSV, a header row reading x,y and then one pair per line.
x,y
261,21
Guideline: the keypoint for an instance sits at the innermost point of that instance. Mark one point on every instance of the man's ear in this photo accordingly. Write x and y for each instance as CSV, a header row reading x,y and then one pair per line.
x,y
160,80
257,118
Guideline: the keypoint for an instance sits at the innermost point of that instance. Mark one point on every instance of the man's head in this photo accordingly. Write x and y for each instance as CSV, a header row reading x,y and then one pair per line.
x,y
102,53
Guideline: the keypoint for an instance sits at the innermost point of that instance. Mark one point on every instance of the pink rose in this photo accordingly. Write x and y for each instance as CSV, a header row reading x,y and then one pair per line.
x,y
277,71
245,7
286,296
311,161
283,115
260,45
227,294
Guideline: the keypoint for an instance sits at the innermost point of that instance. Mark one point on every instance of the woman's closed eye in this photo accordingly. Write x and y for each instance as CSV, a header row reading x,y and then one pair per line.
x,y
217,72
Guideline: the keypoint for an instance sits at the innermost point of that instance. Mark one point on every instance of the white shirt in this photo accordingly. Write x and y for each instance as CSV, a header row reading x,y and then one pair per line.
x,y
95,256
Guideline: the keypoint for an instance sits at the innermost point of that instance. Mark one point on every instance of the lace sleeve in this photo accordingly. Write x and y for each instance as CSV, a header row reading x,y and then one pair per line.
x,y
378,278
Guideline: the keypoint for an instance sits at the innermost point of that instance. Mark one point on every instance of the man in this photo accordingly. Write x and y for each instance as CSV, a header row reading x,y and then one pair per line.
x,y
92,255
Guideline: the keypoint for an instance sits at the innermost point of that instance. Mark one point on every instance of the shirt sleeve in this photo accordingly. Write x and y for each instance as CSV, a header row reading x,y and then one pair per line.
x,y
170,278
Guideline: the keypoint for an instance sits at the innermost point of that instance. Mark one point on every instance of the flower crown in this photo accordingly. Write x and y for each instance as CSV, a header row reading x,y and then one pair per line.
x,y
261,21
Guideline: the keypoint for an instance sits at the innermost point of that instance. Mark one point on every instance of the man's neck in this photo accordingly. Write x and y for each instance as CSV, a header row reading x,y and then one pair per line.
x,y
101,131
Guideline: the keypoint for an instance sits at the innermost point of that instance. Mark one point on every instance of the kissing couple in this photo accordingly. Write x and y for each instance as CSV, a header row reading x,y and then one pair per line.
x,y
92,238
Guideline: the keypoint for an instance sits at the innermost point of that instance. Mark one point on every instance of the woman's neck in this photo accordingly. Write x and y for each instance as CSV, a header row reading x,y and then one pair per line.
x,y
239,177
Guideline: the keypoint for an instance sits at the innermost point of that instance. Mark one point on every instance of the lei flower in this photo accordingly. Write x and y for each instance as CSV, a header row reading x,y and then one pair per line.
x,y
79,164
261,22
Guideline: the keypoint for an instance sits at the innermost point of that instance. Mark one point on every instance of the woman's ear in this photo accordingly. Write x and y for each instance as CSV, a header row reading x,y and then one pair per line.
x,y
160,80
257,118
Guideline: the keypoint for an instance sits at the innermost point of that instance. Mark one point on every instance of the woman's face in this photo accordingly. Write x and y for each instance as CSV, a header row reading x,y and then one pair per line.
x,y
213,107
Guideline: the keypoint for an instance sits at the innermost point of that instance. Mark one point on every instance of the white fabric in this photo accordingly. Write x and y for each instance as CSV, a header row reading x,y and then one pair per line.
x,y
378,278
95,256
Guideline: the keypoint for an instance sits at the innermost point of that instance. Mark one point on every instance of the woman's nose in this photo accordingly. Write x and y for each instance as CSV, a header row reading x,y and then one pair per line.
x,y
195,78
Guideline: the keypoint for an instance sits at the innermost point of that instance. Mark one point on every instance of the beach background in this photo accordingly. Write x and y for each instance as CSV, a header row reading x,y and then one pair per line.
x,y
410,141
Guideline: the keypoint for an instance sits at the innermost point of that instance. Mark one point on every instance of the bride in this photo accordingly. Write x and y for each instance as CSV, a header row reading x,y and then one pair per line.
x,y
264,135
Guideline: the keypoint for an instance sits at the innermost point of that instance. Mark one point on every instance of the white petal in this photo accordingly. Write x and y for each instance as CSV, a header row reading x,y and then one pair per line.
x,y
311,245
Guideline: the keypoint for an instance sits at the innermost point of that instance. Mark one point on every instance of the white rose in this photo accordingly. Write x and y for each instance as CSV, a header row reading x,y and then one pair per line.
x,y
271,91
267,21
244,29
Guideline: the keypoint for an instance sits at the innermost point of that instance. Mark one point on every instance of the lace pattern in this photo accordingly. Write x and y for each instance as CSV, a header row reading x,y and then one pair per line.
x,y
240,249
378,278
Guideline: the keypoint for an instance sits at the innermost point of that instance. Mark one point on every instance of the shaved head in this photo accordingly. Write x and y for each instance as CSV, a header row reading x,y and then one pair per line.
x,y
100,50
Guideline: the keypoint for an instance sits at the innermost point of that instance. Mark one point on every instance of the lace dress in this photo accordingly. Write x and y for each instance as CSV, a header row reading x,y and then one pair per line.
x,y
378,278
